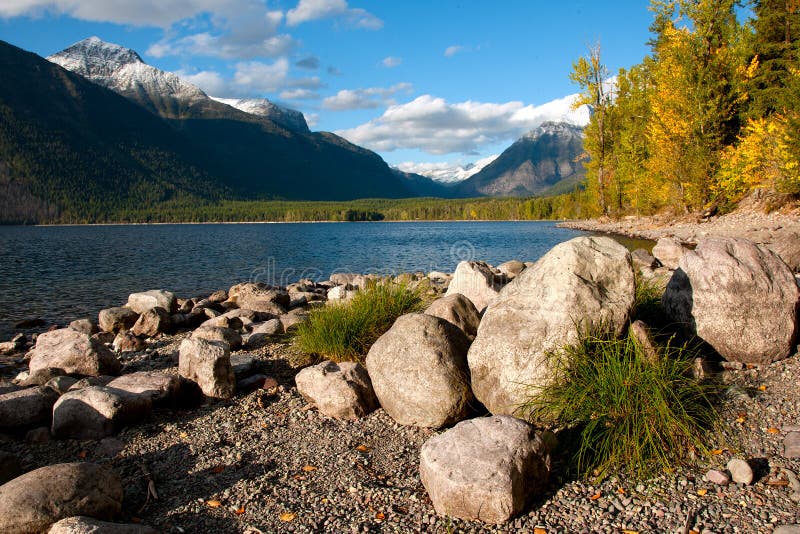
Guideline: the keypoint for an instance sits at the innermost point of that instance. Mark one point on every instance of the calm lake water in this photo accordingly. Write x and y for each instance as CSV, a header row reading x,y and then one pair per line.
x,y
67,272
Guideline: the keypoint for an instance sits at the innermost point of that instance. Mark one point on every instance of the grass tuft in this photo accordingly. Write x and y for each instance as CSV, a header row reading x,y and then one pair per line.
x,y
632,415
647,300
346,331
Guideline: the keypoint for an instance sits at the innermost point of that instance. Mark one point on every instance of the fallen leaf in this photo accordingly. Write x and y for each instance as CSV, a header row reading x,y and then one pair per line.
x,y
218,468
762,388
538,530
82,454
702,491
717,451
777,482
309,468
773,430
621,491
239,511
595,496
740,419
213,503
693,532
630,531
380,516
299,477
184,435
362,448
287,516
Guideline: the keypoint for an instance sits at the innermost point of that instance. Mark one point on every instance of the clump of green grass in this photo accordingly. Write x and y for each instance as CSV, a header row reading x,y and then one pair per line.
x,y
346,331
631,415
647,300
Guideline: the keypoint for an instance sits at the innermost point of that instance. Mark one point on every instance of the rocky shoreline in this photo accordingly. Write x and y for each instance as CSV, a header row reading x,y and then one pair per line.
x,y
267,459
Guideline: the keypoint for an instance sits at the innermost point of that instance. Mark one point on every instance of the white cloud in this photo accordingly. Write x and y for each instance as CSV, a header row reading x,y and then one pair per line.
x,y
391,61
436,126
312,119
161,13
308,10
369,98
299,94
250,33
450,51
251,79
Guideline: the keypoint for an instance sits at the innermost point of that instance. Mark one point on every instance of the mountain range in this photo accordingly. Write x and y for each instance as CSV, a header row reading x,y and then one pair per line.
x,y
95,131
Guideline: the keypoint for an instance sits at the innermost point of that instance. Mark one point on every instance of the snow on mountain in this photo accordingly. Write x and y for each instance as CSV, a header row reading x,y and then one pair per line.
x,y
292,119
122,70
445,172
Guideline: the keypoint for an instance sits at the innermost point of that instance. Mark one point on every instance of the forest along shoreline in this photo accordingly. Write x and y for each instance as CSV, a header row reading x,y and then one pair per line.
x,y
215,413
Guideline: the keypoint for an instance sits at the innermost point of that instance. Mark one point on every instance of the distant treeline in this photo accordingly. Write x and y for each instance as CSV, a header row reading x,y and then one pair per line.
x,y
538,208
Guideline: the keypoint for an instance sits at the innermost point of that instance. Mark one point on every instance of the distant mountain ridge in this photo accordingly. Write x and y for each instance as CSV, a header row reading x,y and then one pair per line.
x,y
543,161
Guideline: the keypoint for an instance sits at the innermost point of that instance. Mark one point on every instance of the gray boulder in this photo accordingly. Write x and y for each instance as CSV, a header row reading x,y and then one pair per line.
x,y
96,412
669,252
152,322
10,467
128,342
511,268
27,407
155,298
419,371
87,525
476,281
485,469
738,297
787,246
457,310
217,333
34,501
72,352
116,319
208,363
86,326
259,297
343,391
580,284
160,388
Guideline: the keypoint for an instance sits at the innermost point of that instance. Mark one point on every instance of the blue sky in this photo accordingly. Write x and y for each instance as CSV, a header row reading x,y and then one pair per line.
x,y
435,81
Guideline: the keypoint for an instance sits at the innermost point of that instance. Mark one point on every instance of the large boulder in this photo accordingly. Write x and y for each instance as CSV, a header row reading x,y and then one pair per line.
x,y
152,322
155,298
34,501
511,268
485,469
208,363
74,353
97,412
581,284
739,297
458,310
116,319
27,407
343,390
218,333
477,281
87,525
161,388
419,371
669,252
259,297
787,246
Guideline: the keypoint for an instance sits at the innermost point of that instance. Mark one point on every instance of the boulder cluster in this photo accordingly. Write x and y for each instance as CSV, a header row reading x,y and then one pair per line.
x,y
481,346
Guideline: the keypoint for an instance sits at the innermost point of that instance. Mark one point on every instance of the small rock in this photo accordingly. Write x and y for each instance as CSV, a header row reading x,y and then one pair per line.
x,y
243,365
116,319
209,364
161,388
787,529
152,322
741,472
259,381
87,525
458,310
85,326
61,384
72,352
38,435
217,333
791,445
155,298
27,407
718,477
343,391
476,281
96,412
128,342
669,251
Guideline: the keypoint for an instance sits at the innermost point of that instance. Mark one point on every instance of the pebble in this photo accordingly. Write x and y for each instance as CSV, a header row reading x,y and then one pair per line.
x,y
718,477
740,471
791,445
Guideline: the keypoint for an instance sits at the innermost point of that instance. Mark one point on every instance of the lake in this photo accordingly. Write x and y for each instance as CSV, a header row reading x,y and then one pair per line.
x,y
60,273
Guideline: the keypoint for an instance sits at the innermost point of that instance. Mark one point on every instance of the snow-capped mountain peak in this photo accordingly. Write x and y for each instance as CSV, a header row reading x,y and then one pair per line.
x,y
446,172
290,118
121,69
555,128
